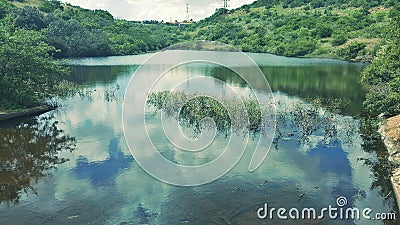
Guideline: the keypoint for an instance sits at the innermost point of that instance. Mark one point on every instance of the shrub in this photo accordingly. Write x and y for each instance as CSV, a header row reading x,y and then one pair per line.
x,y
324,31
352,50
339,40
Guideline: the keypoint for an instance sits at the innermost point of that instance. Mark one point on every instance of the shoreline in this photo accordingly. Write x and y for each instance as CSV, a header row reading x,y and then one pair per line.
x,y
140,58
33,111
390,133
203,45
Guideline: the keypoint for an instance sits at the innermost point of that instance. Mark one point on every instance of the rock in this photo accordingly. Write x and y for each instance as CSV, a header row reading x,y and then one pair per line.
x,y
390,133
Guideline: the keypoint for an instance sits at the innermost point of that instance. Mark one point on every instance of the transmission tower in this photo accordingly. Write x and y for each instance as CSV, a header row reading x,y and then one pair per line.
x,y
226,4
187,12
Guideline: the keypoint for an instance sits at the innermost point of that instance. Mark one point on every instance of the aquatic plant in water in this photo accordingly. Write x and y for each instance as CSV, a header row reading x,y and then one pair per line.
x,y
228,113
294,120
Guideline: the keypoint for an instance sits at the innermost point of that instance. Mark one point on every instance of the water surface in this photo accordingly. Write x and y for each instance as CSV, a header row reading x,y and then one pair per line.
x,y
72,166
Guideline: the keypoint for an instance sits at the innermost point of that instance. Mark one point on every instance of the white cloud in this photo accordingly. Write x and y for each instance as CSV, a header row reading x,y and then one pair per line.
x,y
157,9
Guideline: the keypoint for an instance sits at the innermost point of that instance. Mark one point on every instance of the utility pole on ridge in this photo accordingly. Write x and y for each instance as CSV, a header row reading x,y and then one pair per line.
x,y
187,13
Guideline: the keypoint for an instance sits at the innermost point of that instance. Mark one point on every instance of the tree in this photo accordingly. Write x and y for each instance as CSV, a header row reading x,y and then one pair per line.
x,y
4,9
28,74
324,31
339,40
317,3
73,39
383,75
352,50
300,47
48,6
29,18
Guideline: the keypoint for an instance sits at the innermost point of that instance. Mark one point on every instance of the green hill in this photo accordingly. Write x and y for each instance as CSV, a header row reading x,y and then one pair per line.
x,y
78,32
350,30
332,29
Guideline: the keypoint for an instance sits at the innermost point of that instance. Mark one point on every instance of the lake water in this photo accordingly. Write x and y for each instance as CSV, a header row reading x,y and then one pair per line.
x,y
73,166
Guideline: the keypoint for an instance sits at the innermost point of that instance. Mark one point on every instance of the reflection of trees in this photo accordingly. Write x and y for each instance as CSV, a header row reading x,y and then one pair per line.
x,y
310,81
332,86
90,75
381,166
302,120
28,152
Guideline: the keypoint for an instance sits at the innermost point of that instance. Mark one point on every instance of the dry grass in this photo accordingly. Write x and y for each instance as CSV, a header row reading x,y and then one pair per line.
x,y
32,3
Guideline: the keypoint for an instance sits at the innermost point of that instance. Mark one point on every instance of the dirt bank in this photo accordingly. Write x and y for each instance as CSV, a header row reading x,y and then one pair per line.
x,y
34,111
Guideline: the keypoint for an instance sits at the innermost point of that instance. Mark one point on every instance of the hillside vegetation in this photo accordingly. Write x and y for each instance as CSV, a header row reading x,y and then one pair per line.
x,y
382,77
333,29
78,32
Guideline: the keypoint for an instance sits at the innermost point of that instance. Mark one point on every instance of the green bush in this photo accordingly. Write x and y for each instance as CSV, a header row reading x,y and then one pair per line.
x,y
29,18
339,40
300,47
383,75
32,74
324,31
49,6
352,50
381,99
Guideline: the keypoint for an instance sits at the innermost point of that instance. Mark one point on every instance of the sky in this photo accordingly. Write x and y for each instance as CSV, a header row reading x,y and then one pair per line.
x,y
167,10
